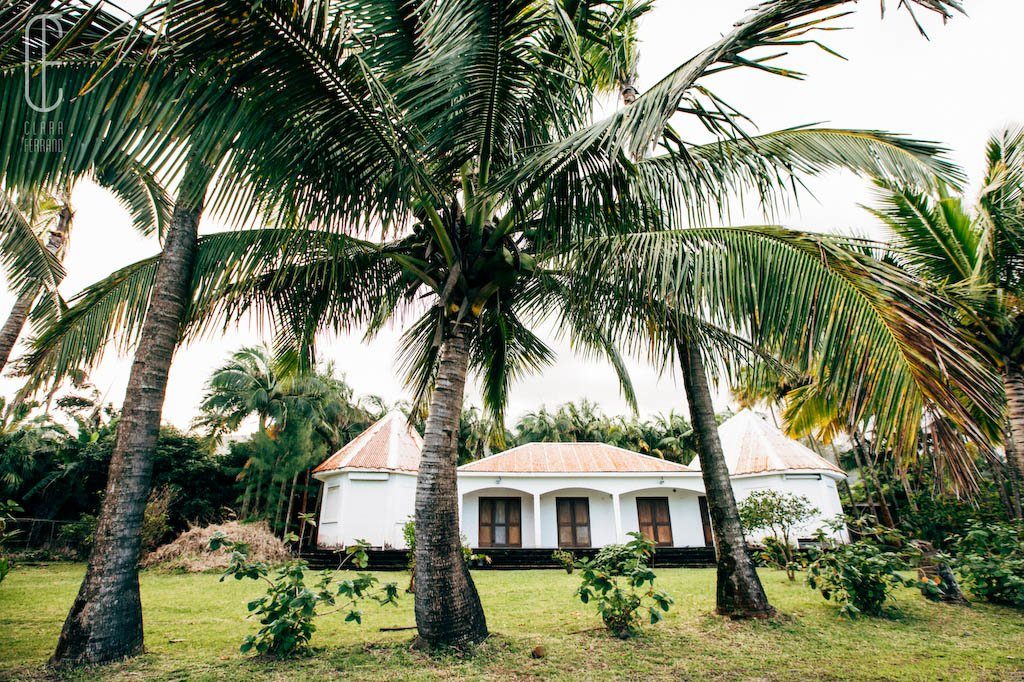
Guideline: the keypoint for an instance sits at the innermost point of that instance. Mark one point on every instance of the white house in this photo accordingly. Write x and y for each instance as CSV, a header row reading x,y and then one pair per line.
x,y
547,495
579,495
370,485
760,457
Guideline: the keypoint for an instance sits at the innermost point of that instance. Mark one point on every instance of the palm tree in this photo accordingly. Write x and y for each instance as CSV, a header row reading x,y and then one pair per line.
x,y
878,340
35,228
972,255
37,217
463,130
291,406
123,109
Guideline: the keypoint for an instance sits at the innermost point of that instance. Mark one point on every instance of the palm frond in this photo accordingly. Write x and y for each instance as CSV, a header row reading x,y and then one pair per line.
x,y
872,336
23,251
264,275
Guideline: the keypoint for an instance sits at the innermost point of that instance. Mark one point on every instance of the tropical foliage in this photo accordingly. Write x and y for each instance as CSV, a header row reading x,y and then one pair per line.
x,y
6,509
862,576
302,417
778,513
990,561
462,134
971,254
666,436
620,581
289,608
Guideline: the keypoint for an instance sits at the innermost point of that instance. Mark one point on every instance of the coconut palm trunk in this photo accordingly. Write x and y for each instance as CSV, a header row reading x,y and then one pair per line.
x,y
15,322
105,622
740,593
1013,384
448,609
291,504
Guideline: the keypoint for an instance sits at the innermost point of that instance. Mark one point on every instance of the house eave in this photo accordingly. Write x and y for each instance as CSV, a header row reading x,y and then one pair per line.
x,y
323,475
834,475
580,474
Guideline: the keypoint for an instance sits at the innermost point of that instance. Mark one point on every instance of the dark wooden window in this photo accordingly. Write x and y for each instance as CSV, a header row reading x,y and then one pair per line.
x,y
705,519
573,521
501,522
655,522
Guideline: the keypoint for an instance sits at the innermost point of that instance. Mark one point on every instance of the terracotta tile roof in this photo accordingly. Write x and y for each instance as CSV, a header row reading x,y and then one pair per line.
x,y
576,458
390,444
753,446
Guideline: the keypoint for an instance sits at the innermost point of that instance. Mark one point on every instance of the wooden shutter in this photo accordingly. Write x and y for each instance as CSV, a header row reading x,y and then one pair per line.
x,y
501,522
705,519
573,515
655,520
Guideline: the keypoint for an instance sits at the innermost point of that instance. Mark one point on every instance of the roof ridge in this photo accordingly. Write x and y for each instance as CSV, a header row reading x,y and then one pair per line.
x,y
577,457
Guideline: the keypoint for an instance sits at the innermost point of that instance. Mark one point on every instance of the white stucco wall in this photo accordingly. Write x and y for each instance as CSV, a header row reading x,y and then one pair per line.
x,y
599,489
683,508
822,493
362,505
374,506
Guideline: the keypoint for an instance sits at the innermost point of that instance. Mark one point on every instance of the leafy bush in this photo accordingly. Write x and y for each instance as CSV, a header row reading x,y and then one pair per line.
x,y
940,519
621,582
79,536
566,560
156,518
6,509
778,513
990,560
288,610
861,576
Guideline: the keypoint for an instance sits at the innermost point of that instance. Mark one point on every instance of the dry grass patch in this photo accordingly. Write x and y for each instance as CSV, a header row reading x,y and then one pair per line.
x,y
190,552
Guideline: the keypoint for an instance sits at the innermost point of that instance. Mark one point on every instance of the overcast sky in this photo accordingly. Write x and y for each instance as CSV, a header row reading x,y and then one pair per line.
x,y
956,88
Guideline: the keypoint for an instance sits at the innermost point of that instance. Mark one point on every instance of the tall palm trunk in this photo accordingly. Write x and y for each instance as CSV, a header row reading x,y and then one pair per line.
x,y
1013,384
871,482
291,503
302,512
887,517
740,593
908,490
280,505
865,481
448,609
105,622
11,330
258,495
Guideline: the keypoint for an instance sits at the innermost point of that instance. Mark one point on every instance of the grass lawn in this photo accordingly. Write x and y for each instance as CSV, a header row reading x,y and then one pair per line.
x,y
194,625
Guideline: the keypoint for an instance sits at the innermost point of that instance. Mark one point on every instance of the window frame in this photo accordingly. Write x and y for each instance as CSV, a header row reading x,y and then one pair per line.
x,y
574,525
509,502
655,524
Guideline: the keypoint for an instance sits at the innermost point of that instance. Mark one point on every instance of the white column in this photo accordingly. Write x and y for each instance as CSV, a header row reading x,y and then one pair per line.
x,y
617,515
536,520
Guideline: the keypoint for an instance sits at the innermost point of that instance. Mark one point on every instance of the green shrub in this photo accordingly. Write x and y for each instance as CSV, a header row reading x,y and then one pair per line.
x,y
566,560
621,582
940,519
778,513
862,576
990,561
79,536
6,510
289,608
156,518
